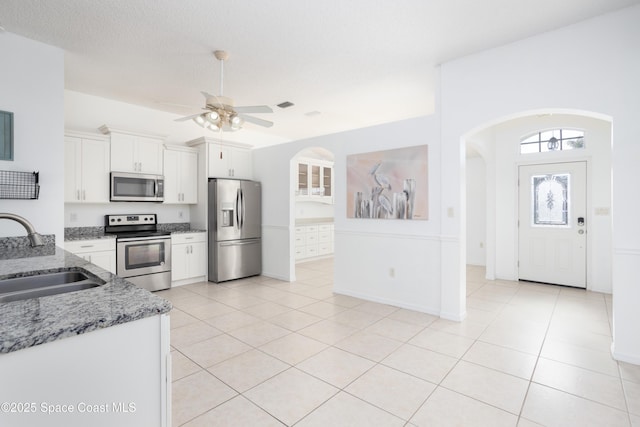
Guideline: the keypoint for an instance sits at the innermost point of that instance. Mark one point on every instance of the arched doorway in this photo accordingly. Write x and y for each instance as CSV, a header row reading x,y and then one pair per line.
x,y
311,206
498,145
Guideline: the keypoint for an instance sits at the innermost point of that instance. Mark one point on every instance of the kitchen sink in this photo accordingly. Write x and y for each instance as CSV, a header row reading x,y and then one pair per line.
x,y
44,284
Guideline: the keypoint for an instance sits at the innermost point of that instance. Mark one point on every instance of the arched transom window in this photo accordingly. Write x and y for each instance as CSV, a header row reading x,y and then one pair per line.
x,y
552,140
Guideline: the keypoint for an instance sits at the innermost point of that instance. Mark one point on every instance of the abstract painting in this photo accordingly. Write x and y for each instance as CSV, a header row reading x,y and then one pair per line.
x,y
390,184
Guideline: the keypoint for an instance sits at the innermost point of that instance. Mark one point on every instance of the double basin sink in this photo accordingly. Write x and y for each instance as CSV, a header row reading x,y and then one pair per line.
x,y
42,284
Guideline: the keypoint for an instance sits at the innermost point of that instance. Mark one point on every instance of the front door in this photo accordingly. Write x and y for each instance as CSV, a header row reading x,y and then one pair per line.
x,y
553,224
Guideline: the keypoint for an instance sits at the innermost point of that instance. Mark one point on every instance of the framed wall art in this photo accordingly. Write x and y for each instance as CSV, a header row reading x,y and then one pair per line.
x,y
389,184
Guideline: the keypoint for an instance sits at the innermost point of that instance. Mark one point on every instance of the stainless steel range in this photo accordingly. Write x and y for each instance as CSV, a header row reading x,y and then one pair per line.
x,y
143,253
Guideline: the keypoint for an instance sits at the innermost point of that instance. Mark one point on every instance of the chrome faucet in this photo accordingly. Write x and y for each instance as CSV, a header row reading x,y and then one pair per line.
x,y
34,238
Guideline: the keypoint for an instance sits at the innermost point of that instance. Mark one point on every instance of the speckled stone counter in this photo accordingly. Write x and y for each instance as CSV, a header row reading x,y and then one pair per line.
x,y
38,321
85,233
191,230
19,247
90,233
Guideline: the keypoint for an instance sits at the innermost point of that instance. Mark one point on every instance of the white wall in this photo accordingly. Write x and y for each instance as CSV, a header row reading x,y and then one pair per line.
x,y
31,86
365,250
476,211
597,69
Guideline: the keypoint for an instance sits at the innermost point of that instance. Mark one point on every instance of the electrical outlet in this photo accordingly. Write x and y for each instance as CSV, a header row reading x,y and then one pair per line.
x,y
450,212
73,217
392,272
180,214
481,245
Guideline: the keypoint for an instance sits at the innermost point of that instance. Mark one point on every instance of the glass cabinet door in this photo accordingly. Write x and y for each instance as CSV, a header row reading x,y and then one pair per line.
x,y
303,179
326,181
316,188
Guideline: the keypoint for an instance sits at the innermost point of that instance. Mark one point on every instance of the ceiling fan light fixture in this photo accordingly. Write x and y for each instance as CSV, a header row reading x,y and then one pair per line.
x,y
219,111
235,121
213,117
200,121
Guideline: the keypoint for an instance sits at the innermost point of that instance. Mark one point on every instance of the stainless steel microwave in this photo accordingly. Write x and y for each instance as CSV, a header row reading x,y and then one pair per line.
x,y
136,187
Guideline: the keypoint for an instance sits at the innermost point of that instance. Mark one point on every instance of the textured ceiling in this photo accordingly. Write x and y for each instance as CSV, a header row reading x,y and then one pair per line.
x,y
357,63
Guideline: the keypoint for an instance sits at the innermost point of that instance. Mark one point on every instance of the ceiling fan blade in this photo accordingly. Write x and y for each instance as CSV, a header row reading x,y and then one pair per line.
x,y
254,109
257,121
184,119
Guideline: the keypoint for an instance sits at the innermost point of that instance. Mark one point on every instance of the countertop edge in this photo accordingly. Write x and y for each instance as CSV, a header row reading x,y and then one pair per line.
x,y
36,321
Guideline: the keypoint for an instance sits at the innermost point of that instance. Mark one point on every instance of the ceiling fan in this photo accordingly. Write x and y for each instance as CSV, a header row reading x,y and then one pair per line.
x,y
219,111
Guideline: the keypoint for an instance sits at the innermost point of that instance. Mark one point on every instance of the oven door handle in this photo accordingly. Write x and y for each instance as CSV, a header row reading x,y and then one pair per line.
x,y
145,239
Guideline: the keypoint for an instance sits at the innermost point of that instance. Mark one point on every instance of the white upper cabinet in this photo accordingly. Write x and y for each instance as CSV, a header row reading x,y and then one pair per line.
x,y
224,159
86,171
180,175
314,180
229,162
135,152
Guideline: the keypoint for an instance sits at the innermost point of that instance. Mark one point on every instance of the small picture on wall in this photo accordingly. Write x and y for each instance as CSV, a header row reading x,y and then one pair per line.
x,y
388,184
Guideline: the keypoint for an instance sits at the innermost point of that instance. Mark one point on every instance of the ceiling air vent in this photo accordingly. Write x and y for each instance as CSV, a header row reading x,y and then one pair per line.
x,y
285,104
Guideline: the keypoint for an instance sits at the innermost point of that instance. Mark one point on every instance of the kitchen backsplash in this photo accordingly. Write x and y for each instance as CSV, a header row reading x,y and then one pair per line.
x,y
74,233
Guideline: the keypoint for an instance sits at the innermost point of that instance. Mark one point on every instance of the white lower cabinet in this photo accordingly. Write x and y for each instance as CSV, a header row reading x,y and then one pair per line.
x,y
313,240
188,258
115,376
101,252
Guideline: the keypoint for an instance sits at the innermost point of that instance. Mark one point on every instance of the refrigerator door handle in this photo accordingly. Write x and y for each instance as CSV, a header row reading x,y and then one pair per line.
x,y
238,209
243,206
241,243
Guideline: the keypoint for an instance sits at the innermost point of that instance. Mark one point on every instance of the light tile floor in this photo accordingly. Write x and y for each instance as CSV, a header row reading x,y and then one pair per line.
x,y
262,352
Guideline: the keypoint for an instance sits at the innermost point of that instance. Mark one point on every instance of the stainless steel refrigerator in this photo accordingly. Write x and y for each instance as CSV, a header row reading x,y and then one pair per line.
x,y
235,245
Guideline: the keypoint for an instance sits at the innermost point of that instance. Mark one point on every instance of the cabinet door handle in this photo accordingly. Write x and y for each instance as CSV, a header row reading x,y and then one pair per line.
x,y
77,194
84,195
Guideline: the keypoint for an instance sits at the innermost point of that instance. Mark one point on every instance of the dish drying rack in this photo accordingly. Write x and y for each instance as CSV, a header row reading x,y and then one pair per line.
x,y
19,185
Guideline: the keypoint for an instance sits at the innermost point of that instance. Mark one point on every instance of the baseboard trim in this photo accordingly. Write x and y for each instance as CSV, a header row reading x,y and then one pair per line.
x,y
456,317
621,357
275,276
394,303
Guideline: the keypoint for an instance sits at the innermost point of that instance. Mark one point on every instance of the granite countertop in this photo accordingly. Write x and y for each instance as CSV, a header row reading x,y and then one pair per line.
x,y
38,321
188,231
90,233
